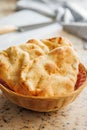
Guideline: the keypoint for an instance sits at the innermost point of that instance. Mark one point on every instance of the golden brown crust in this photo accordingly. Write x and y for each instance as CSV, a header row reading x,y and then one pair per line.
x,y
40,67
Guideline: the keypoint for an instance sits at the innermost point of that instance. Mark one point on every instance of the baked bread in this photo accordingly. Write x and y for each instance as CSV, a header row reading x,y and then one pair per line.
x,y
45,68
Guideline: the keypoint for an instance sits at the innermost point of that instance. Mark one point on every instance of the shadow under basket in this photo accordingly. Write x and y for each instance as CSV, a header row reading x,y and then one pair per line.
x,y
42,104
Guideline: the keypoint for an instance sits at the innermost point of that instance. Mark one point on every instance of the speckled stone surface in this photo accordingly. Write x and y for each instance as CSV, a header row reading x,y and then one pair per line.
x,y
72,117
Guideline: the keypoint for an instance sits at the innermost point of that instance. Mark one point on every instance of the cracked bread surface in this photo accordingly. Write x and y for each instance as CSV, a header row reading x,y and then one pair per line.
x,y
45,68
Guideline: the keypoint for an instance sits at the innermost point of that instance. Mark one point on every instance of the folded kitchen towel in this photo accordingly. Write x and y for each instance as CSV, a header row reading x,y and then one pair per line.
x,y
66,11
71,15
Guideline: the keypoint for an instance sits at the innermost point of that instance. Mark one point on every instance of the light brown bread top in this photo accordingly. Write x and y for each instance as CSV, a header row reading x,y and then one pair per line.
x,y
45,68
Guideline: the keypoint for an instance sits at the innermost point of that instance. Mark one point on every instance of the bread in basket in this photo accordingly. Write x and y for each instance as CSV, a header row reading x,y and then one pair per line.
x,y
42,75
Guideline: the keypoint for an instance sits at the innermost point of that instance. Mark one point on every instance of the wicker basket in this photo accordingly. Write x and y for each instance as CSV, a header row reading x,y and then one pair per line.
x,y
44,104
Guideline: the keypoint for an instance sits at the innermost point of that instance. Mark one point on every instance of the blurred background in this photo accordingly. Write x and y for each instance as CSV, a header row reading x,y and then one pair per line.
x,y
9,6
71,15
